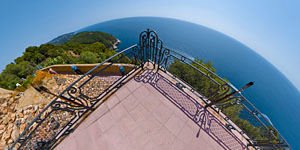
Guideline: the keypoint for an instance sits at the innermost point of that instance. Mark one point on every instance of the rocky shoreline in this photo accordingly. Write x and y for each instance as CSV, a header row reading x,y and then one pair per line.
x,y
115,44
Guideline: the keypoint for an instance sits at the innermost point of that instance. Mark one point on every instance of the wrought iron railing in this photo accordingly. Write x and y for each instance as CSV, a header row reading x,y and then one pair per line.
x,y
238,112
60,118
194,109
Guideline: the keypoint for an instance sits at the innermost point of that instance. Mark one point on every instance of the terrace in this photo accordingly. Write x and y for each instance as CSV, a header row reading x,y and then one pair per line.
x,y
150,105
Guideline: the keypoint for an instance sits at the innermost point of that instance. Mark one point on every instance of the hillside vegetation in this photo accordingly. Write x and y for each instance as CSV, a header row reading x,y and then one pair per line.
x,y
84,47
86,37
62,39
91,37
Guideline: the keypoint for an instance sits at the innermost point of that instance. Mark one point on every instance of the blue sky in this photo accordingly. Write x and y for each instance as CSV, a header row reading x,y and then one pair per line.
x,y
269,27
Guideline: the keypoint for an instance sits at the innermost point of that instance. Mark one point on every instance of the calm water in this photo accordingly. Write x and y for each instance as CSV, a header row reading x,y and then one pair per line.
x,y
272,93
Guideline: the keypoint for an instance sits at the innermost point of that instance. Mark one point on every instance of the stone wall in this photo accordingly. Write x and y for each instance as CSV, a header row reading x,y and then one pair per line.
x,y
17,110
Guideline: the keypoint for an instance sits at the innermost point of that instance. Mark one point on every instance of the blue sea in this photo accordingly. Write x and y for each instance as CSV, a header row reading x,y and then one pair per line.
x,y
273,94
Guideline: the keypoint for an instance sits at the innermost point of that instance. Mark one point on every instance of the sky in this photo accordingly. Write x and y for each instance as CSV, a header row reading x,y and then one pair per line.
x,y
269,27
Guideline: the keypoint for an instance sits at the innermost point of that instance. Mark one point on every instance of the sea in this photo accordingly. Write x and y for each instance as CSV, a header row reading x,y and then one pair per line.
x,y
273,94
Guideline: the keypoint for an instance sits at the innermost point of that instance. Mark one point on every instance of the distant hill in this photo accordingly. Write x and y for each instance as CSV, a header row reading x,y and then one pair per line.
x,y
92,37
62,39
86,38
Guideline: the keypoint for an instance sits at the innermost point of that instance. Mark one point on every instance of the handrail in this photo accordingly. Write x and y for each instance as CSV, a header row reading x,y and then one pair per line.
x,y
132,50
245,103
150,49
153,50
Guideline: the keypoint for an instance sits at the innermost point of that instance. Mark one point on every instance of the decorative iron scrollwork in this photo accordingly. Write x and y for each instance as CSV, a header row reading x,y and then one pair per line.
x,y
88,90
150,47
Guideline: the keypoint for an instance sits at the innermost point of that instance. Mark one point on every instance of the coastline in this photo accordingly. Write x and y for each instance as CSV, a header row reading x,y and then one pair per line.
x,y
115,44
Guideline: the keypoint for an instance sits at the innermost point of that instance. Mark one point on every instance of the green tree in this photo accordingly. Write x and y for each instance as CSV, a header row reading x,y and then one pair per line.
x,y
44,48
38,58
97,48
89,57
54,52
19,59
8,81
24,68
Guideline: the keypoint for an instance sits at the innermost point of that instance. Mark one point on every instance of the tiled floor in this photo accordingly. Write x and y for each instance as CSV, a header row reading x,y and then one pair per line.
x,y
138,117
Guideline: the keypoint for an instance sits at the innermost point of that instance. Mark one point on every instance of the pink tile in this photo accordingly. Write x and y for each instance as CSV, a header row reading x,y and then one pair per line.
x,y
179,145
94,132
105,122
200,143
101,144
162,113
139,137
68,144
131,102
141,92
83,140
190,123
151,146
181,115
151,102
114,135
124,144
127,125
139,113
168,103
122,93
152,90
112,101
163,138
174,124
118,112
187,135
151,125
209,141
98,113
133,85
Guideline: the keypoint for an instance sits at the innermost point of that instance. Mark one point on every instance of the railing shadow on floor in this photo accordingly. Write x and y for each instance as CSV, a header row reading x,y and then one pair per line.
x,y
193,110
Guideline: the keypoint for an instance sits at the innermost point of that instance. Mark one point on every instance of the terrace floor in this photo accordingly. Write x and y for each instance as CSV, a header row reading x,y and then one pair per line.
x,y
150,113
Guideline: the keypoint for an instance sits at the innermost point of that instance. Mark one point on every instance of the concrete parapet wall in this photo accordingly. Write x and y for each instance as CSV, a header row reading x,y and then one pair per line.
x,y
113,69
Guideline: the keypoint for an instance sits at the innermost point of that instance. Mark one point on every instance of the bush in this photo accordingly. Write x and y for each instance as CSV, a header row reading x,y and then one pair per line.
x,y
24,68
